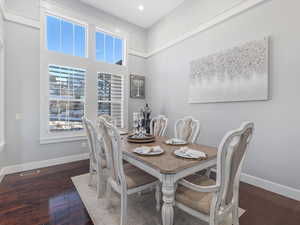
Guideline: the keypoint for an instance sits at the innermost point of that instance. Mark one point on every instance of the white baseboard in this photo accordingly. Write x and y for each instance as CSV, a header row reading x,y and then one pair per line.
x,y
269,186
41,164
280,189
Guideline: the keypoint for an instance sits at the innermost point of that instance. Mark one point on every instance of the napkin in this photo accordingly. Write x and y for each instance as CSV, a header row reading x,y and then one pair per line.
x,y
192,153
148,150
152,149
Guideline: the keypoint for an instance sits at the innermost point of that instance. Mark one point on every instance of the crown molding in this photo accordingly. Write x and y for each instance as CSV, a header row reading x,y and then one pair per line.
x,y
234,10
223,16
14,17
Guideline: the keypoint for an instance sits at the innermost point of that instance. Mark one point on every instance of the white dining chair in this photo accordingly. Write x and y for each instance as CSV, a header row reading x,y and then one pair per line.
x,y
97,157
108,118
158,125
124,179
214,201
187,129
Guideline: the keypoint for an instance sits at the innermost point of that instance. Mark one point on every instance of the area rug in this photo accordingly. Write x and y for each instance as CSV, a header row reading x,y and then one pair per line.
x,y
141,209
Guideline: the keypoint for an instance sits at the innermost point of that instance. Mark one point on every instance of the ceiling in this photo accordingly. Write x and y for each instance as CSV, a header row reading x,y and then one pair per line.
x,y
128,10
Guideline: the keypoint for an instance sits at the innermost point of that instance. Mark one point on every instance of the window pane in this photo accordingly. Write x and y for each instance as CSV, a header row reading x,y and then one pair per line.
x,y
104,87
66,97
100,47
118,51
104,108
79,41
53,33
76,112
67,37
109,46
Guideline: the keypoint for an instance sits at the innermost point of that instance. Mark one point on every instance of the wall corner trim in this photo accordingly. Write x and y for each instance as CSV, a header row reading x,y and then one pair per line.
x,y
2,146
41,164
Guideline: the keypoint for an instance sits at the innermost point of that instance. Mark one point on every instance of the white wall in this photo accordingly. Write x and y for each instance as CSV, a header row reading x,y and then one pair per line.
x,y
185,18
274,153
22,81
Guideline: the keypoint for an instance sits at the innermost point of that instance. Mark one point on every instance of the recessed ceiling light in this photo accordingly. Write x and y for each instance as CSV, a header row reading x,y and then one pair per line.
x,y
141,7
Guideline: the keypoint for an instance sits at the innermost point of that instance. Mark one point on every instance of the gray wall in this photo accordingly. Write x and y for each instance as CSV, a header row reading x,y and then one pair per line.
x,y
22,86
137,66
185,18
2,133
274,153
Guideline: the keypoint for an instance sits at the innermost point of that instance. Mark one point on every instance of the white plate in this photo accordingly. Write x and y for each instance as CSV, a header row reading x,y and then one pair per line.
x,y
189,153
145,150
176,141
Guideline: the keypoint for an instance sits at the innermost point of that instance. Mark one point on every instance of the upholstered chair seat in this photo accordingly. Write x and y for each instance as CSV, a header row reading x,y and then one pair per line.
x,y
136,177
199,201
217,201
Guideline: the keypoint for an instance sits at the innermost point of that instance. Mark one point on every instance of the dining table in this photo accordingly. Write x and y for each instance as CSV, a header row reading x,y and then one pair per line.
x,y
168,168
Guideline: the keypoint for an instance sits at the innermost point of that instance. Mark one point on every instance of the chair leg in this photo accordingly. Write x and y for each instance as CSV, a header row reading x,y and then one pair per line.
x,y
100,183
235,215
91,175
158,196
108,194
123,209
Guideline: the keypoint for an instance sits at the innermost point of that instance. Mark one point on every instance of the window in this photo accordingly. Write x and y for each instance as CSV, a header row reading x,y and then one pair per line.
x,y
66,37
65,69
109,49
110,96
66,98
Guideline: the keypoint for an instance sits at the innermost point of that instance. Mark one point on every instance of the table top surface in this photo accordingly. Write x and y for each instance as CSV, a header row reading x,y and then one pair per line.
x,y
168,162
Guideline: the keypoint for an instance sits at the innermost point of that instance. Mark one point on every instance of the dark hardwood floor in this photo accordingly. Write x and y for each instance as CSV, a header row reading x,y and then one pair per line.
x,y
50,198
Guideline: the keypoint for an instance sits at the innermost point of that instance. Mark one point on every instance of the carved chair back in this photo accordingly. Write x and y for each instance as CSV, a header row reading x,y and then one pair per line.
x,y
158,125
112,143
108,118
231,155
187,129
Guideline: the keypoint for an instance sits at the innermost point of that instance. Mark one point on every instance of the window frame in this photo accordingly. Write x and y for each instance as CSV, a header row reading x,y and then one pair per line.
x,y
84,100
89,64
122,99
124,47
74,22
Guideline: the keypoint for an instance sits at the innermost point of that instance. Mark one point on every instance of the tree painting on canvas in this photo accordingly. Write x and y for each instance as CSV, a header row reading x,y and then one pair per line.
x,y
237,74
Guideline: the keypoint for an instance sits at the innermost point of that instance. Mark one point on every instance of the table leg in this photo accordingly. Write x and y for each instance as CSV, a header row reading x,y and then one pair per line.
x,y
168,190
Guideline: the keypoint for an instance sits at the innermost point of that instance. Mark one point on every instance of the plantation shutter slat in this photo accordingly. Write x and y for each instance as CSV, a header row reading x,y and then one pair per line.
x,y
110,96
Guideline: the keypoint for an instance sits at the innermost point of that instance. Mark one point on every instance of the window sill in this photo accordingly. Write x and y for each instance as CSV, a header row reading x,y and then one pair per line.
x,y
60,139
